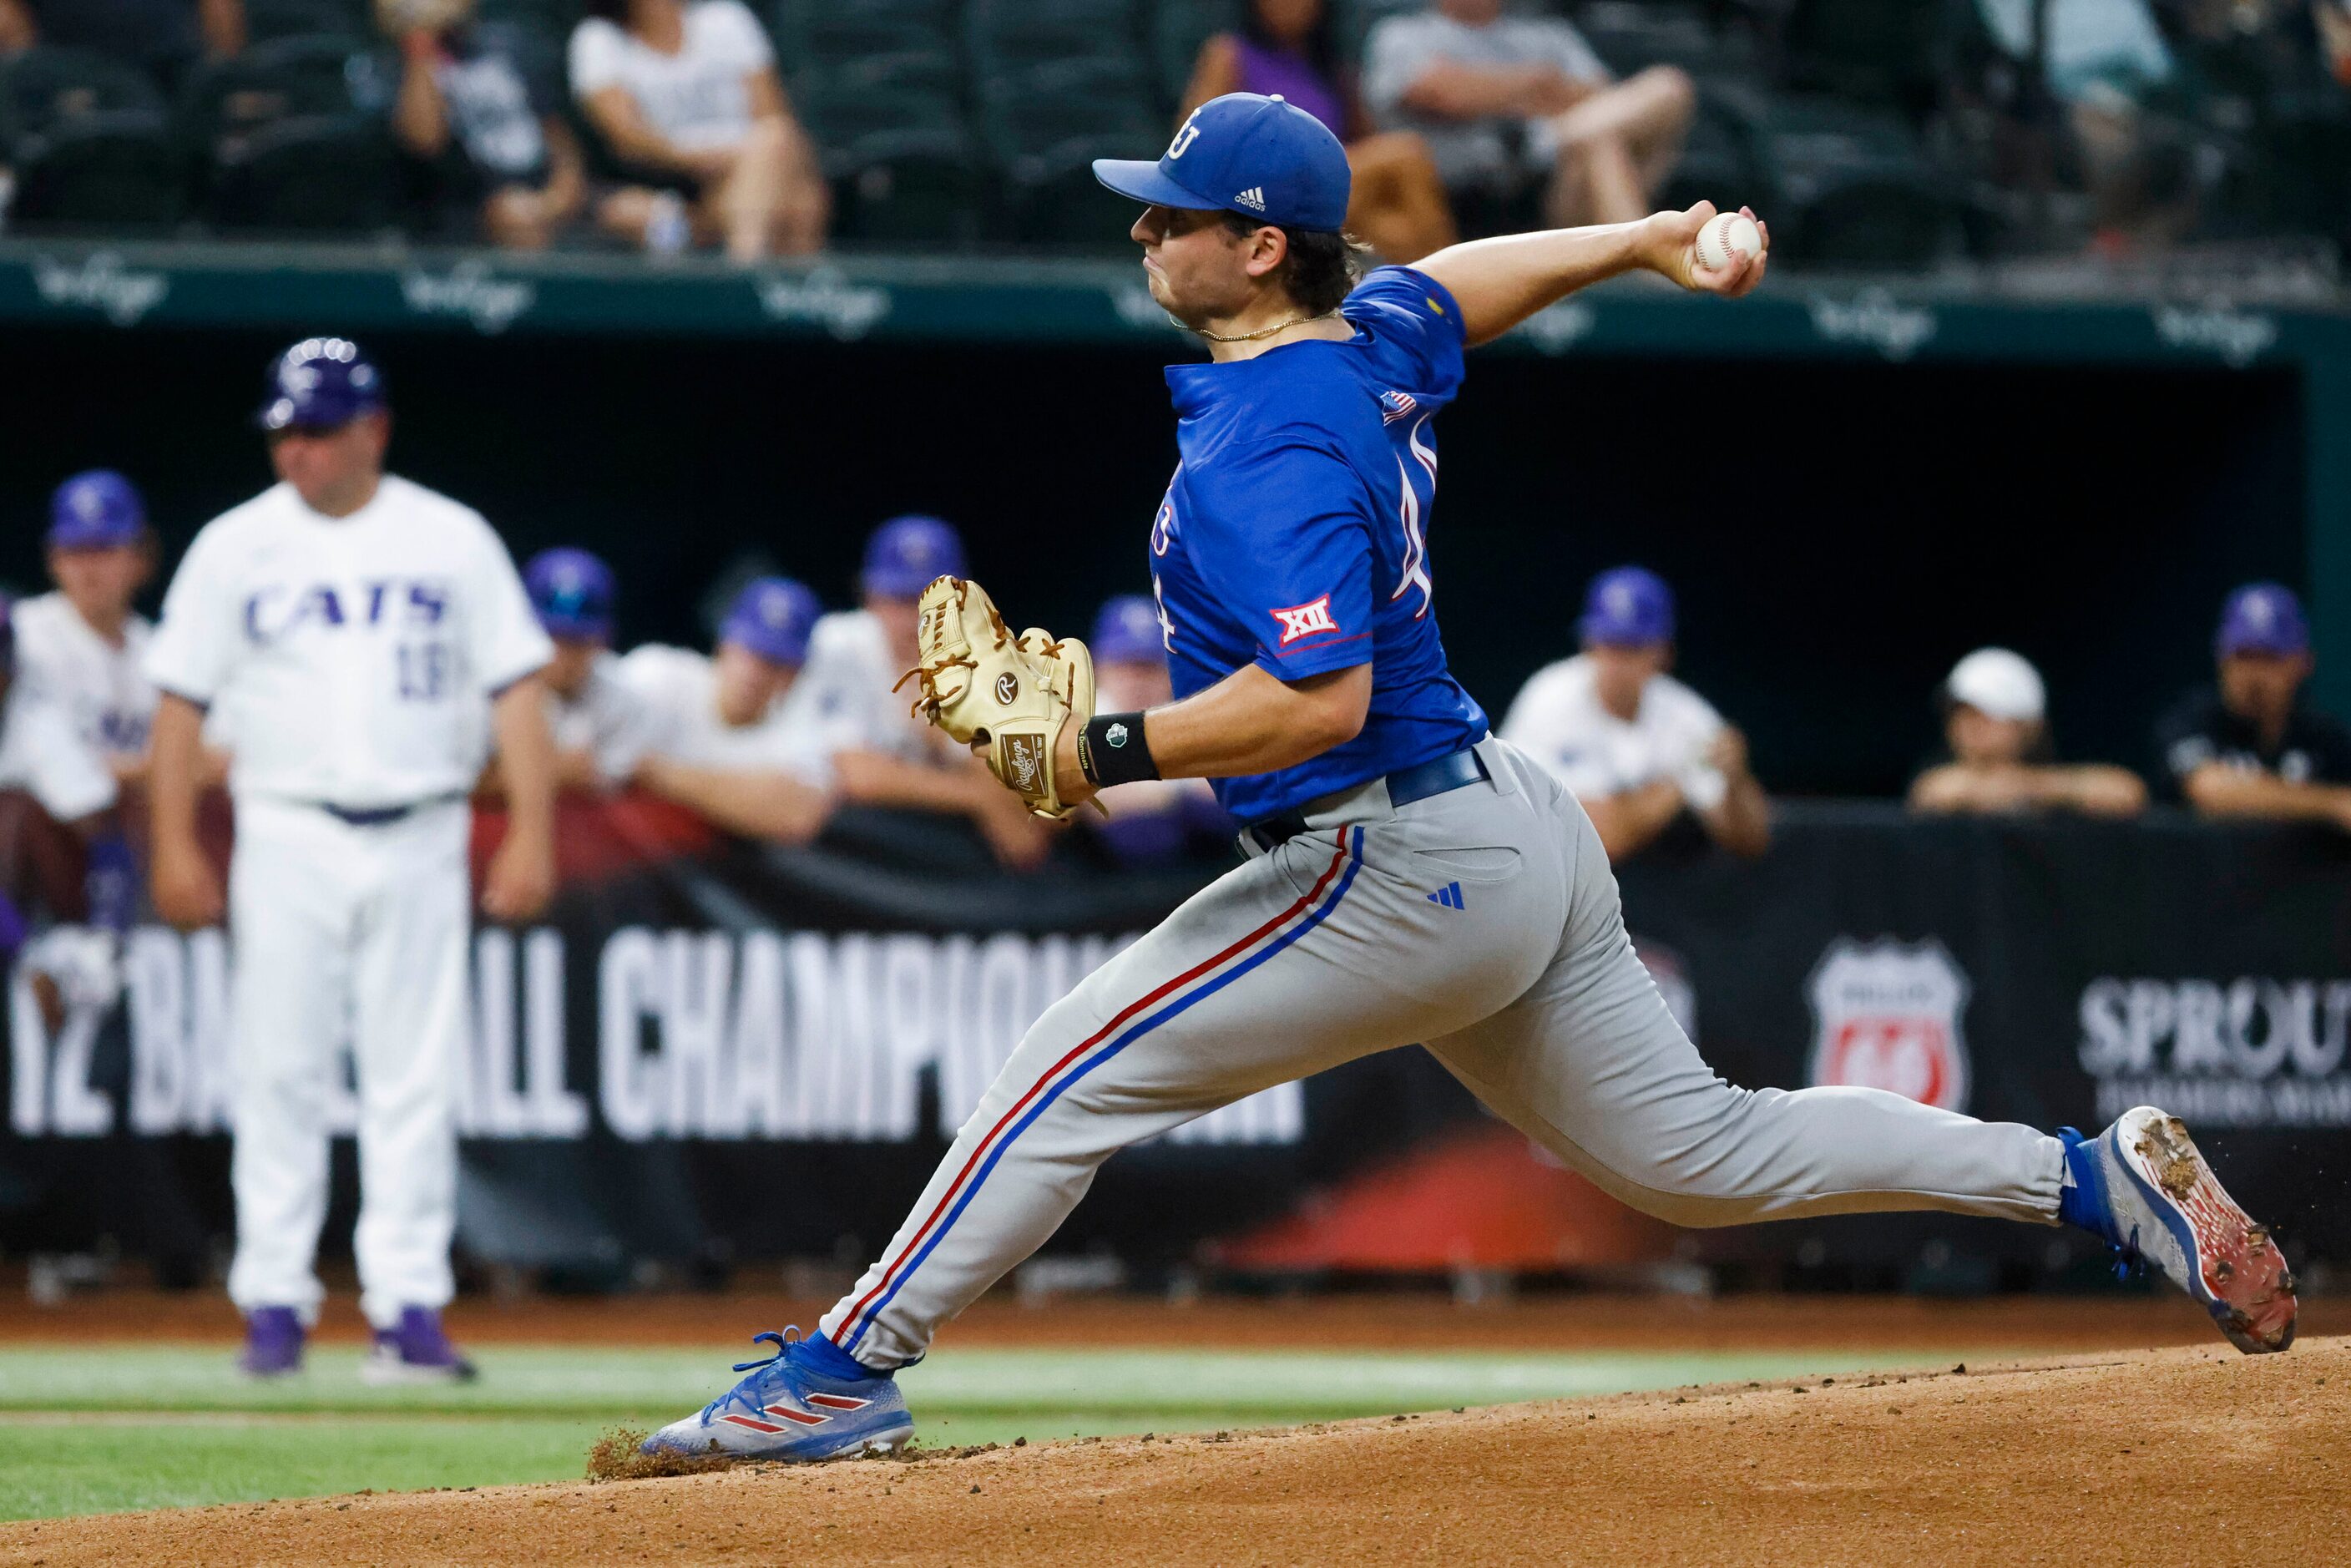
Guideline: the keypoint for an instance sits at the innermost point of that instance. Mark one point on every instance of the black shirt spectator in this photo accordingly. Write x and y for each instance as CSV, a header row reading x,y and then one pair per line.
x,y
2247,747
480,116
2311,749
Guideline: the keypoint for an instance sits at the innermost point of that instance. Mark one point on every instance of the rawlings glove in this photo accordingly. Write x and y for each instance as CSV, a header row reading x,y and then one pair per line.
x,y
981,684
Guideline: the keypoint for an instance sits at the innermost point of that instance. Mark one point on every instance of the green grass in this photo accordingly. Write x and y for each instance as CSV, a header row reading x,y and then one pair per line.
x,y
89,1430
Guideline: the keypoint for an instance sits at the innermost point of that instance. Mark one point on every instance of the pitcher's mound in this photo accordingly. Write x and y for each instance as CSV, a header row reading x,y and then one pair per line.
x,y
2177,1456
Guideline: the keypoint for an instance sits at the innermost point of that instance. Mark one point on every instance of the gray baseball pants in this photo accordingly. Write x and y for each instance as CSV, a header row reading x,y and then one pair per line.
x,y
1330,947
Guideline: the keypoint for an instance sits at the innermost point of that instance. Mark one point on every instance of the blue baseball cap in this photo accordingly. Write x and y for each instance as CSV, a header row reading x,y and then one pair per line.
x,y
1127,631
2263,617
1260,156
98,509
7,637
905,553
321,383
1628,607
772,617
573,592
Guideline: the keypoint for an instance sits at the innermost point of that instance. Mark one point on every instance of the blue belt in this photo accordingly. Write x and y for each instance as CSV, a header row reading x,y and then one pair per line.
x,y
379,816
1404,786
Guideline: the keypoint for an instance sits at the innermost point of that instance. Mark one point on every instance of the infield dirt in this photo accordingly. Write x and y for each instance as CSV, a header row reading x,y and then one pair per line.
x,y
2180,1454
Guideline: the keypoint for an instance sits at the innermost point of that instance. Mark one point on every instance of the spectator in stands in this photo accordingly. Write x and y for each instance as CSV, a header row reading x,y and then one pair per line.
x,y
1636,746
1505,100
883,754
1995,724
162,37
734,735
685,94
601,727
18,29
2249,745
1151,821
1284,47
479,115
2104,59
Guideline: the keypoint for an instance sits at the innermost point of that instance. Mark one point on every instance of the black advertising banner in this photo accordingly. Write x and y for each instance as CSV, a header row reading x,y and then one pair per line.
x,y
715,1051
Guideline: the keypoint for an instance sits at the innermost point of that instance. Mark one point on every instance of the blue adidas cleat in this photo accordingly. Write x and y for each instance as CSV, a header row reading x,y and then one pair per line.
x,y
2142,1187
809,1401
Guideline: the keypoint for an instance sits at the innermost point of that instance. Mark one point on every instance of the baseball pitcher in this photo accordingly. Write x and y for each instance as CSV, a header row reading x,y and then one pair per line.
x,y
349,630
1408,877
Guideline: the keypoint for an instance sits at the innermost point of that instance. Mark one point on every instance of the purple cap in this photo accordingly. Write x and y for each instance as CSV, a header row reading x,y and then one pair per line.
x,y
1244,153
1127,631
1628,607
905,553
96,510
573,592
321,383
772,617
2263,617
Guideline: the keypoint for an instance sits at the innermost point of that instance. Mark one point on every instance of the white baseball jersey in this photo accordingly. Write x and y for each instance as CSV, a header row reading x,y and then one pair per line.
x,y
848,676
1559,720
348,660
99,687
41,755
679,689
609,720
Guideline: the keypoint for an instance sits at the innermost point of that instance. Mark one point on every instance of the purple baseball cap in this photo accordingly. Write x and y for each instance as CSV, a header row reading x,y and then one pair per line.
x,y
772,617
1127,631
1244,153
8,638
905,553
98,509
572,591
321,383
2263,617
1627,607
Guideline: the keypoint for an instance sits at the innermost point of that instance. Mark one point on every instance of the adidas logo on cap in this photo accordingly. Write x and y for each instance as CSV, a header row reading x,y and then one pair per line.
x,y
1253,199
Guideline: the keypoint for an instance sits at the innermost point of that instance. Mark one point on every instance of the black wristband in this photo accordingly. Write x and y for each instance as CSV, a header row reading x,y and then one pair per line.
x,y
1111,750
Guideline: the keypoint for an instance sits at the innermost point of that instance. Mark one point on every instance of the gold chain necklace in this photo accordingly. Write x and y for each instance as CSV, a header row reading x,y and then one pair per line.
x,y
1249,336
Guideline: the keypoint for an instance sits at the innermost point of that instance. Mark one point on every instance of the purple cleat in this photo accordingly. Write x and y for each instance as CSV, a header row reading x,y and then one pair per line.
x,y
414,1350
272,1342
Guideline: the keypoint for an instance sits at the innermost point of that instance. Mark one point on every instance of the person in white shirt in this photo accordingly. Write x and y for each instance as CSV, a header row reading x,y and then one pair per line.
x,y
601,726
1502,100
735,736
1634,745
685,94
881,755
348,629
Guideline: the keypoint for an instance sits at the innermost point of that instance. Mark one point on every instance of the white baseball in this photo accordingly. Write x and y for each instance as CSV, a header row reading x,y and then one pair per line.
x,y
1725,233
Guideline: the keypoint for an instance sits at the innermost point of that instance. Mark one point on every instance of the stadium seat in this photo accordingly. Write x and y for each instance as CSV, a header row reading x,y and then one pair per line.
x,y
902,164
89,143
1883,52
1718,159
1005,36
266,21
293,135
1044,128
1354,19
1634,34
1177,30
1850,185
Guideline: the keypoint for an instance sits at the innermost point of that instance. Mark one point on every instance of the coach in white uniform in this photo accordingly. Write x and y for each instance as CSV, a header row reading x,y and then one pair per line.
x,y
348,628
1636,747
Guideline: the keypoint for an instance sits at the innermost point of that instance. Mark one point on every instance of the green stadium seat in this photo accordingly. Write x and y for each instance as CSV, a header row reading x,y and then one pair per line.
x,y
1630,35
1175,31
266,21
1004,35
902,164
1885,52
89,143
1044,144
1850,186
1354,19
294,135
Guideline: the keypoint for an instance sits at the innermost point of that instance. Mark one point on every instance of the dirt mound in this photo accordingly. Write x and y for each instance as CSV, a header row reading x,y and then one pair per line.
x,y
2165,1456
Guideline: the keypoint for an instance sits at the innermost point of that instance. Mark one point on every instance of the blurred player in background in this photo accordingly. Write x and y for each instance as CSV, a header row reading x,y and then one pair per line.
x,y
2001,758
2248,746
734,735
350,628
40,866
1151,821
881,755
1635,745
600,723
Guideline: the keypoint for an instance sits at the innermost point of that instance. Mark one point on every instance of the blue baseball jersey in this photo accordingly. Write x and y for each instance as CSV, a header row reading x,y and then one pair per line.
x,y
1295,534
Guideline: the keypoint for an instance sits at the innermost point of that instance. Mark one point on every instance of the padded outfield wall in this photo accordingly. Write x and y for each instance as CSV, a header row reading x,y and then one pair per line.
x,y
1850,485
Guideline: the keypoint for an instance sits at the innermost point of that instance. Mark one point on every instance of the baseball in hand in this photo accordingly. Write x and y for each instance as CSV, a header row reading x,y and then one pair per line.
x,y
1725,233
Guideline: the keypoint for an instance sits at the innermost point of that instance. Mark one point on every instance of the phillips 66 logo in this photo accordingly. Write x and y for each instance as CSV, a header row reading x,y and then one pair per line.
x,y
1886,1015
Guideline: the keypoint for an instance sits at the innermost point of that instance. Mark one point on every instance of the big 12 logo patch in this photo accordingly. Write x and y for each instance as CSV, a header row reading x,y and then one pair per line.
x,y
1886,1015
